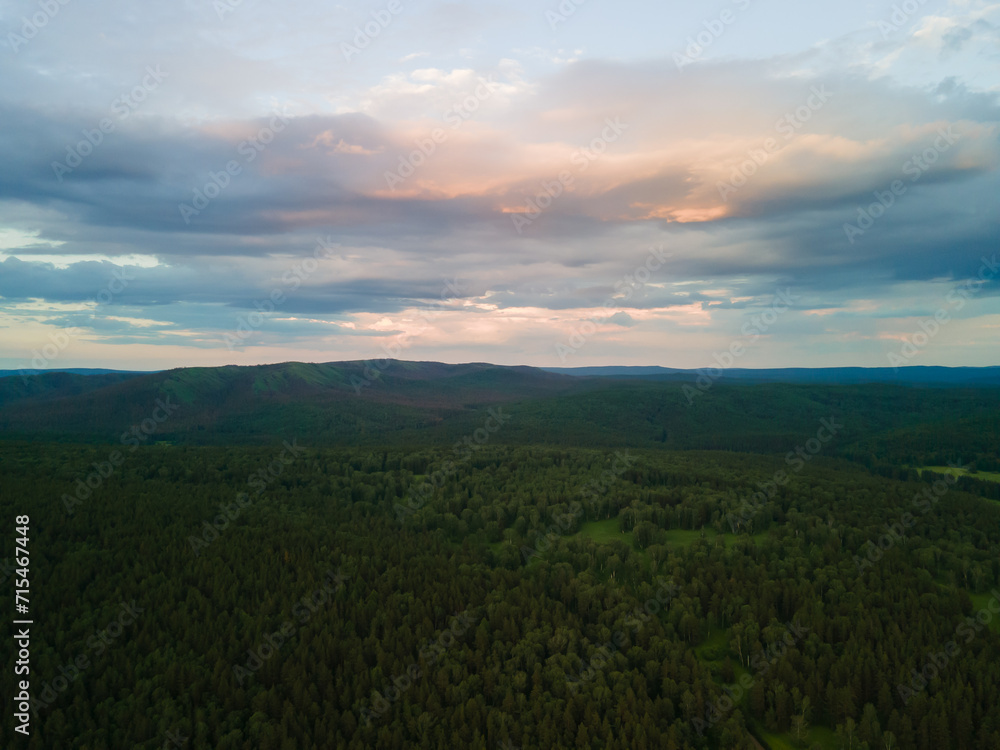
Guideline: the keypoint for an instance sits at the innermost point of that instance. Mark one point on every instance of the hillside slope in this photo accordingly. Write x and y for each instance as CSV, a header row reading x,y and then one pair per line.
x,y
425,403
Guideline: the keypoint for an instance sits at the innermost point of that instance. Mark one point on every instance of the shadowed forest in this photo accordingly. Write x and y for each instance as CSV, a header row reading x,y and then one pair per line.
x,y
505,559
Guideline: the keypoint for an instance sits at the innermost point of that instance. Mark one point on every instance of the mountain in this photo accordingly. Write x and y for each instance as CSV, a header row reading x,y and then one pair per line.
x,y
916,375
571,508
412,404
341,402
61,384
71,371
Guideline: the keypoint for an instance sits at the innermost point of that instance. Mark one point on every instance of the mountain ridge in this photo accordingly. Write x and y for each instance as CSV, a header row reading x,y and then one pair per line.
x,y
914,374
414,404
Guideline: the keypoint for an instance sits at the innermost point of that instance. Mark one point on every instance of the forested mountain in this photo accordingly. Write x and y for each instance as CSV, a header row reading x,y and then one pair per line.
x,y
405,403
339,402
911,375
33,391
70,370
504,558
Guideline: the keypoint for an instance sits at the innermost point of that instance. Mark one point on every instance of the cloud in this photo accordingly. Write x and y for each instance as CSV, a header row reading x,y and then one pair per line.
x,y
622,319
747,170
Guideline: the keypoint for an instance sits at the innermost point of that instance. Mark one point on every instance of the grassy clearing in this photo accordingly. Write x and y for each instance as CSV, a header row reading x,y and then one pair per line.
x,y
684,537
816,736
716,637
712,652
604,532
609,531
981,601
986,476
773,741
687,537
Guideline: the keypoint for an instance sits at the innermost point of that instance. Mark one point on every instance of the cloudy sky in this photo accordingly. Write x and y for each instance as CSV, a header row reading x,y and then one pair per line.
x,y
584,183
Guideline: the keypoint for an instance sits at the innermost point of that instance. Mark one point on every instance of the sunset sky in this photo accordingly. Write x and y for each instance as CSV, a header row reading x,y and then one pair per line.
x,y
592,183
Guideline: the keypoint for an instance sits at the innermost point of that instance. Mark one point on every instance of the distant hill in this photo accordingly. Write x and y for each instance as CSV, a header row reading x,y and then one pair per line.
x,y
60,384
72,371
414,404
615,371
917,375
344,402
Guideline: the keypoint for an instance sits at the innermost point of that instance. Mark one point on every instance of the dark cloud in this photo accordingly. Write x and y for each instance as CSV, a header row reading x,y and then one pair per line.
x,y
324,176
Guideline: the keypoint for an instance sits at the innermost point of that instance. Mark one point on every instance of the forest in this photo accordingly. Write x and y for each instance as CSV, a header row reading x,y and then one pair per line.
x,y
512,573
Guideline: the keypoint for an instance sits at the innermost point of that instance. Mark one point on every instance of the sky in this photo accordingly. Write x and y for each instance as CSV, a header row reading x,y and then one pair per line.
x,y
747,183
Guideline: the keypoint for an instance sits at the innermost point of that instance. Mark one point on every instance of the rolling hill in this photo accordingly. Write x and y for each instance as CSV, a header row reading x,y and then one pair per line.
x,y
424,403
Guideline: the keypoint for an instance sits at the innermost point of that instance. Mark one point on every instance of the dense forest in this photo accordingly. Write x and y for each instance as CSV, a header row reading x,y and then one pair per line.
x,y
393,404
490,594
